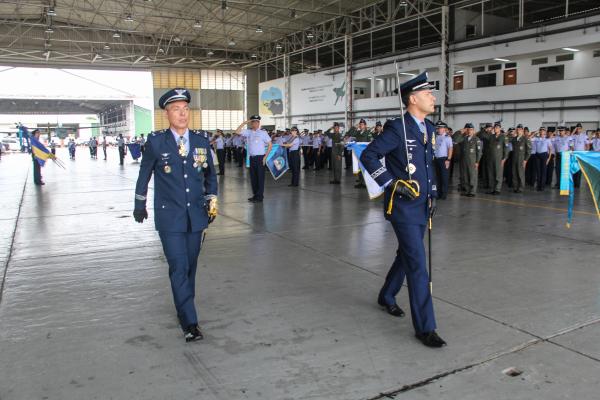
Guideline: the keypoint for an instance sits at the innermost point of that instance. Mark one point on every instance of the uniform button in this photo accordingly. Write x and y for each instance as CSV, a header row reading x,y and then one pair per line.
x,y
429,180
185,175
163,206
185,161
187,190
188,204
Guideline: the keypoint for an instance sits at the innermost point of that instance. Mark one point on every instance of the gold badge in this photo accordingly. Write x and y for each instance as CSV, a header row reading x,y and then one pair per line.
x,y
167,169
433,140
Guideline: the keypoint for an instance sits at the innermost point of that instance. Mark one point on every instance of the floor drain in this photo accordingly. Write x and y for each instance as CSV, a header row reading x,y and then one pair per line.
x,y
512,372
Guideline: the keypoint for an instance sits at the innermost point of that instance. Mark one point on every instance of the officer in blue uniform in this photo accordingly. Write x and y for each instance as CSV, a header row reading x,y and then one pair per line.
x,y
409,201
185,199
259,147
443,158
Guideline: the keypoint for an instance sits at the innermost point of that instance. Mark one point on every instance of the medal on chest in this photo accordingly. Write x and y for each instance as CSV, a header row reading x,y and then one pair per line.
x,y
200,157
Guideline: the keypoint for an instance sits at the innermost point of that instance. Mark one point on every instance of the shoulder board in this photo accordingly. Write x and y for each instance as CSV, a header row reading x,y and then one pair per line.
x,y
156,133
200,133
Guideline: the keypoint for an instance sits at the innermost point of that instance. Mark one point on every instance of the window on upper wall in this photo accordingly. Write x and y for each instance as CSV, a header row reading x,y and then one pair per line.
x,y
494,67
538,61
596,53
510,65
564,57
478,69
486,80
222,79
553,73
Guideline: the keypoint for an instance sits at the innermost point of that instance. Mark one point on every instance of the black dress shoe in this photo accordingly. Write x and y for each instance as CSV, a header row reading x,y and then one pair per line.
x,y
490,192
257,200
251,199
496,193
430,339
470,195
391,309
193,333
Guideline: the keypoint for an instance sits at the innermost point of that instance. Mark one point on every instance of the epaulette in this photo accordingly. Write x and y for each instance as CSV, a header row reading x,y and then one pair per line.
x,y
156,133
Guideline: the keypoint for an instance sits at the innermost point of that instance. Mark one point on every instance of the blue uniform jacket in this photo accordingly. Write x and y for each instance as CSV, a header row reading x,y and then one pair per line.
x,y
390,144
179,187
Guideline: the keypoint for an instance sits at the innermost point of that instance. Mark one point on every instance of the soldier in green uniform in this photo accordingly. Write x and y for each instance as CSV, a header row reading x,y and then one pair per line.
x,y
483,135
337,153
360,134
457,139
471,155
521,151
494,147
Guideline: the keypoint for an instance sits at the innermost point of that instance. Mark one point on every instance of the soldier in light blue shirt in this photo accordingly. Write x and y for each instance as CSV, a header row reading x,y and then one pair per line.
x,y
293,145
596,141
317,141
259,146
218,144
579,142
543,150
561,143
443,157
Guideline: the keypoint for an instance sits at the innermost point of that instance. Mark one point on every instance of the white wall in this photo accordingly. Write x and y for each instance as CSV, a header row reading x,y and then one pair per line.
x,y
582,77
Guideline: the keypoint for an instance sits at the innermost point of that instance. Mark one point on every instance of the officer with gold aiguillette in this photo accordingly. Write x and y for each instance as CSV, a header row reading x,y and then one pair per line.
x,y
185,199
409,202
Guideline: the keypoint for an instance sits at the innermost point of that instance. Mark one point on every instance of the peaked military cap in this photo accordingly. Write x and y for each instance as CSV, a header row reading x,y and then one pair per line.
x,y
469,125
177,94
362,121
441,124
255,118
378,123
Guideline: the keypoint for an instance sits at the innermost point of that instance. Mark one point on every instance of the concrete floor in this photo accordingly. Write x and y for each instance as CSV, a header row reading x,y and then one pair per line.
x,y
286,295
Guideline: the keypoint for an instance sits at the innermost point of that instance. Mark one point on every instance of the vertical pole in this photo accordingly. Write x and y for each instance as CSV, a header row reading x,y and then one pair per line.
x,y
482,18
521,13
445,63
566,8
286,96
347,85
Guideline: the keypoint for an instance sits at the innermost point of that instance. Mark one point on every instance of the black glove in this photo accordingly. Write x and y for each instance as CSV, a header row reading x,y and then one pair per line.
x,y
407,189
432,207
140,215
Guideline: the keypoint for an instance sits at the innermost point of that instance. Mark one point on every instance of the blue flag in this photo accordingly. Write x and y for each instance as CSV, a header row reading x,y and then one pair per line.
x,y
588,163
277,161
135,149
40,152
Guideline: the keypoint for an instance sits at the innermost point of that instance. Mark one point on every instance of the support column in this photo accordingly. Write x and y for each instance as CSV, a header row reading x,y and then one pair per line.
x,y
445,62
348,74
287,121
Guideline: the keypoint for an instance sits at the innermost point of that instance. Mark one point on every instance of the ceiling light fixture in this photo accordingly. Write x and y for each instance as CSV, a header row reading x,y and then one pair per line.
x,y
128,18
49,29
259,29
570,49
310,35
253,55
231,42
278,46
161,50
460,71
197,24
407,74
403,4
210,53
116,34
51,12
501,59
106,46
177,39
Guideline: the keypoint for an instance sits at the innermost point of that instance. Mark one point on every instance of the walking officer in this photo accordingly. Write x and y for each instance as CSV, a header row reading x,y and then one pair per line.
x,y
337,153
409,202
521,153
471,155
443,158
258,139
185,199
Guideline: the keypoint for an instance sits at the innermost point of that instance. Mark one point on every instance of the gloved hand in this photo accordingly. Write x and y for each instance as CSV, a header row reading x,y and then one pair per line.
x,y
432,207
212,207
140,215
407,189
